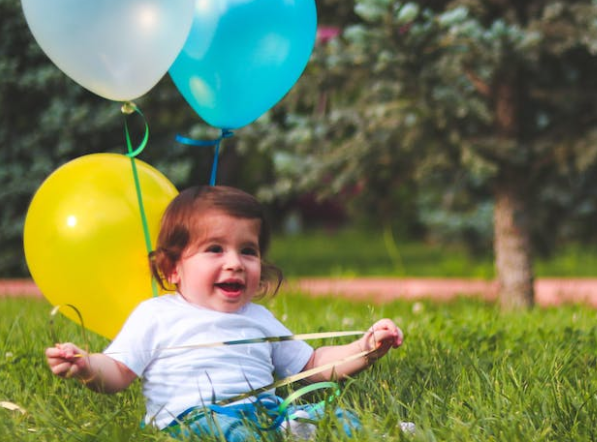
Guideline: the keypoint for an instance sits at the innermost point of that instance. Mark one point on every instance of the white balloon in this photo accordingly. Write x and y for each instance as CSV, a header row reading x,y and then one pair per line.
x,y
118,49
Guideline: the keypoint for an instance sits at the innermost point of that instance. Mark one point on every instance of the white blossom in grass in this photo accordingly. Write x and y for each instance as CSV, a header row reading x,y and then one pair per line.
x,y
347,322
418,308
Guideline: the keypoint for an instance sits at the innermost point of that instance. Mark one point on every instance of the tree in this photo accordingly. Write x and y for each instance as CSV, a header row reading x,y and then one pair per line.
x,y
493,98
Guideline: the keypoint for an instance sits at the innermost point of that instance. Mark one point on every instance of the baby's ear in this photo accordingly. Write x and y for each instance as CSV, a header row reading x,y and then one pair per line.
x,y
174,277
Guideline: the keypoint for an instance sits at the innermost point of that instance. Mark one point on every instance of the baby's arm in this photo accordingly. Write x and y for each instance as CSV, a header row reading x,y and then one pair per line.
x,y
380,338
97,371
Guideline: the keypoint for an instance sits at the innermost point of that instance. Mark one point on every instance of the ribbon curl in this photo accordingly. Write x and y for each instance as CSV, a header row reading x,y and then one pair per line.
x,y
226,133
277,412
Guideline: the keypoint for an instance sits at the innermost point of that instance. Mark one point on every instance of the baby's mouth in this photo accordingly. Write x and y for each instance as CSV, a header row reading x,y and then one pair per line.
x,y
230,286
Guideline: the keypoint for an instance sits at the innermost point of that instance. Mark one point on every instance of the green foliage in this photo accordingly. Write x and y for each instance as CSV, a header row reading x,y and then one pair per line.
x,y
465,372
437,100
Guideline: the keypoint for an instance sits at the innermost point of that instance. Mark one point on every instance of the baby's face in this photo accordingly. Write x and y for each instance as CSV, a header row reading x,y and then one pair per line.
x,y
222,270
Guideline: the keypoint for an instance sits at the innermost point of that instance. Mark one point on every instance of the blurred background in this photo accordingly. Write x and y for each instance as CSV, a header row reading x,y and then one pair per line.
x,y
424,138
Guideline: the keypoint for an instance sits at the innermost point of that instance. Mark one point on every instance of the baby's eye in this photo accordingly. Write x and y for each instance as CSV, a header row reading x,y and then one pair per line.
x,y
251,251
214,249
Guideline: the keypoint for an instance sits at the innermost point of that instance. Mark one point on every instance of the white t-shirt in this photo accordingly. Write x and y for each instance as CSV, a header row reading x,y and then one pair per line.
x,y
174,380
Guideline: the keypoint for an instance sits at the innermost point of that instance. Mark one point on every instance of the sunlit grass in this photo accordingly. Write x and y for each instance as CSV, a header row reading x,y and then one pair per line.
x,y
466,372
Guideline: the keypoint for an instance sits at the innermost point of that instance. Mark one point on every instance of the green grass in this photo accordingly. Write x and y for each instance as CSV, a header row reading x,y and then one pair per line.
x,y
359,253
465,373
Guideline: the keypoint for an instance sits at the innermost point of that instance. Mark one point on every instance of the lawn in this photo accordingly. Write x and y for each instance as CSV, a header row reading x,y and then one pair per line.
x,y
465,373
360,253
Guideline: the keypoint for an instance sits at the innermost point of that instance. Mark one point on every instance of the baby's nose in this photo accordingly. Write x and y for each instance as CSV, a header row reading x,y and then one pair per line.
x,y
233,261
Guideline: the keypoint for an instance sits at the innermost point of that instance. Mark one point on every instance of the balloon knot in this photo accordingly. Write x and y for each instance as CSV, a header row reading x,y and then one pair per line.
x,y
226,133
128,107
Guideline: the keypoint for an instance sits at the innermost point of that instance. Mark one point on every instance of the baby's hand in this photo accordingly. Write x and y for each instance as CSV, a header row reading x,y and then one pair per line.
x,y
381,337
66,360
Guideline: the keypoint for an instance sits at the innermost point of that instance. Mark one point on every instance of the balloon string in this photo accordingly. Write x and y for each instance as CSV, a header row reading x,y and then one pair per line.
x,y
298,337
127,109
279,383
297,377
53,333
282,409
226,133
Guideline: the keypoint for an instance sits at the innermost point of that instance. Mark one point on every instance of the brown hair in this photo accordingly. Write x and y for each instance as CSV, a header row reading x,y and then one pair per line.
x,y
178,230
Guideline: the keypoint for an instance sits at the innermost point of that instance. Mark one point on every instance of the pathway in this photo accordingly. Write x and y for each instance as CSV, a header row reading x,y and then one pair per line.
x,y
548,291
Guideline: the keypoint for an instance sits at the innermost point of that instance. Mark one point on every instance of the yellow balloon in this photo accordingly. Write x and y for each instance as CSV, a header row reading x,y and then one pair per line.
x,y
84,239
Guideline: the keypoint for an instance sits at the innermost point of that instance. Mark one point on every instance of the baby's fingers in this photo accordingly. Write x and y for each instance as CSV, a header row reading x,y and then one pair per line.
x,y
64,369
386,330
399,338
53,352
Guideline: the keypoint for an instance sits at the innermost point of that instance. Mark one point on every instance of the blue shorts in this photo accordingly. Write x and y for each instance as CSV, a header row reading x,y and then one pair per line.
x,y
251,421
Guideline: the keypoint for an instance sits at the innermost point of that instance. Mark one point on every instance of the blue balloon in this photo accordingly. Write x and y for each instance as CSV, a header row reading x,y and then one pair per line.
x,y
242,56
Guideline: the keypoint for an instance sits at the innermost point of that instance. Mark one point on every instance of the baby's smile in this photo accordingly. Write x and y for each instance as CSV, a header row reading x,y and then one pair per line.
x,y
230,286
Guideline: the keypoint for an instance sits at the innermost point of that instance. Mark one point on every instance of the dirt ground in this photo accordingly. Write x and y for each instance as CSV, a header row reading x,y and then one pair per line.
x,y
548,291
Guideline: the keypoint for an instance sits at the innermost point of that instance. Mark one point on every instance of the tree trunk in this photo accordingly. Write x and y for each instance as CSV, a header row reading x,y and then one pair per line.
x,y
512,242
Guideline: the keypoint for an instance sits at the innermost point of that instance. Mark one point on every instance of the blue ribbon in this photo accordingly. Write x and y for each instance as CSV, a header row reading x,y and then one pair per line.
x,y
208,143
